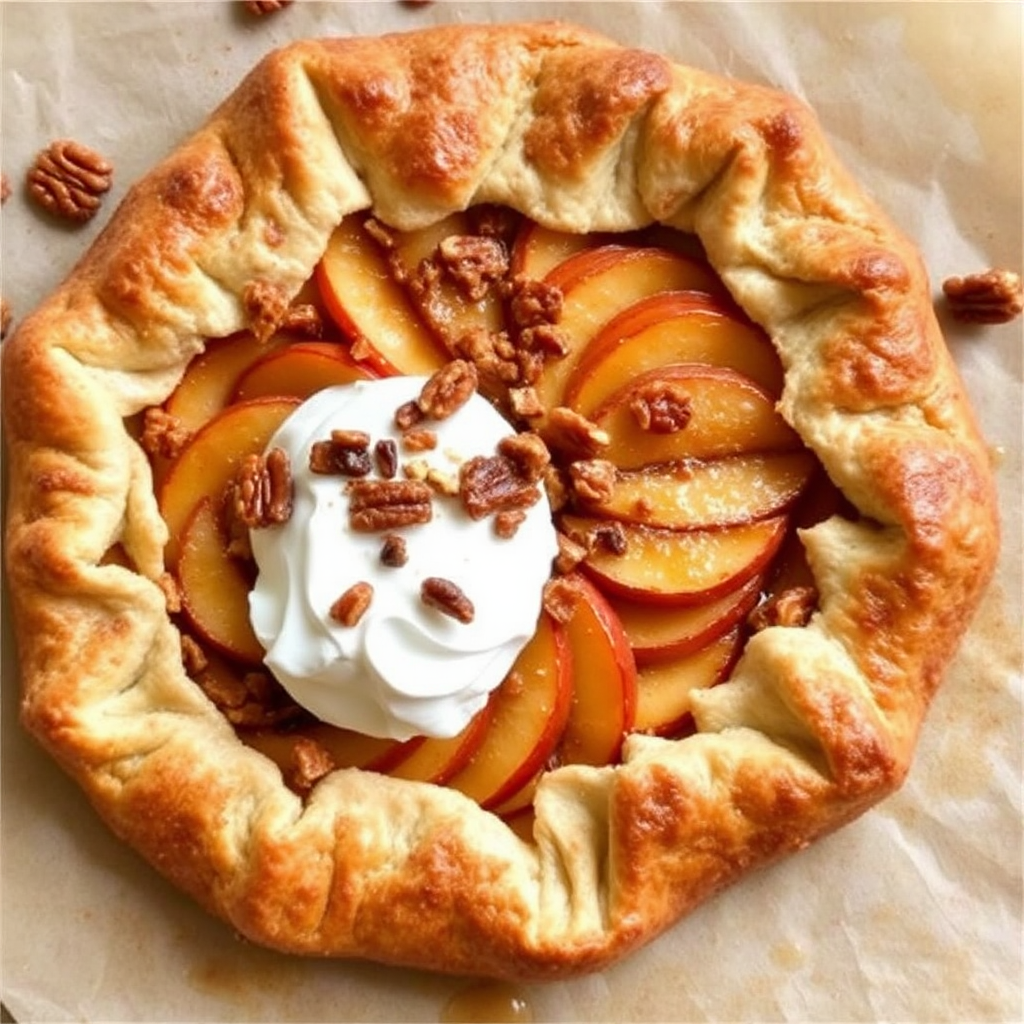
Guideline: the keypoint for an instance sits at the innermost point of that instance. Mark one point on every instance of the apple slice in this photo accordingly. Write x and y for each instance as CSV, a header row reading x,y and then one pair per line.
x,y
299,371
371,308
437,760
210,379
663,690
444,308
596,285
537,250
696,495
671,327
675,566
663,632
604,680
211,458
214,587
727,414
530,711
348,749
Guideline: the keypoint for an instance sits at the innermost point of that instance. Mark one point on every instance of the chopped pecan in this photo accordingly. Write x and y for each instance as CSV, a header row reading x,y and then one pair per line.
x,y
593,480
261,492
447,597
662,407
304,319
525,403
265,6
385,454
377,505
69,179
473,262
380,233
545,341
347,453
568,432
529,453
193,657
6,316
407,415
535,303
561,596
266,306
172,592
610,537
448,390
570,554
163,434
494,484
506,524
791,607
994,297
419,439
494,221
393,551
309,763
557,488
353,604
482,348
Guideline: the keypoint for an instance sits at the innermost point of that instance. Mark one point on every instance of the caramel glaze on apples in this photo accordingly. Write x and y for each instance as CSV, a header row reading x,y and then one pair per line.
x,y
664,560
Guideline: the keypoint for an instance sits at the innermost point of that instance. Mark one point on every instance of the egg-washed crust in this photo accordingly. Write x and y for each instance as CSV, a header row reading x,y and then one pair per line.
x,y
578,133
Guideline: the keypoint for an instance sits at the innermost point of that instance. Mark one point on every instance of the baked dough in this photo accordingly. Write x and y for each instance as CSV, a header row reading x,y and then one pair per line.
x,y
816,724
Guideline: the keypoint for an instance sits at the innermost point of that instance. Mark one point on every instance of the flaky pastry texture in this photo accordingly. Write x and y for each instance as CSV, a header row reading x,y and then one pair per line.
x,y
816,723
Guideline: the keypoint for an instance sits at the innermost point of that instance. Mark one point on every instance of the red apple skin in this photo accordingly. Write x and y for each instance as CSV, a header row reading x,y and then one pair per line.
x,y
299,371
604,672
769,534
735,606
438,760
665,328
477,779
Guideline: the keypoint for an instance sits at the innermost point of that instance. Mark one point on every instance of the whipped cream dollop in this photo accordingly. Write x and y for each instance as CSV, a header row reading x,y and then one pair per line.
x,y
405,668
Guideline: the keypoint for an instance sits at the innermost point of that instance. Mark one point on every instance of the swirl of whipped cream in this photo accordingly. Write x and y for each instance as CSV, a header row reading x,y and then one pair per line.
x,y
404,669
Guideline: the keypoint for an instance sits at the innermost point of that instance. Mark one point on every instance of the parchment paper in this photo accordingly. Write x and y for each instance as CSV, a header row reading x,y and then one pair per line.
x,y
912,912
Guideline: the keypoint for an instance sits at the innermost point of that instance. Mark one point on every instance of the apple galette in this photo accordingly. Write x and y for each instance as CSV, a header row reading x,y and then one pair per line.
x,y
486,491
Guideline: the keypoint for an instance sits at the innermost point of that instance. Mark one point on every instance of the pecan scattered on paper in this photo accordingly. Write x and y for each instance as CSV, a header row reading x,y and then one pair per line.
x,y
791,607
259,7
352,605
261,493
662,407
69,179
447,597
378,505
994,297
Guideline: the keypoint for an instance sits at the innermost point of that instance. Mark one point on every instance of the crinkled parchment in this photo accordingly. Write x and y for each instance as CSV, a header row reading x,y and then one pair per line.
x,y
910,913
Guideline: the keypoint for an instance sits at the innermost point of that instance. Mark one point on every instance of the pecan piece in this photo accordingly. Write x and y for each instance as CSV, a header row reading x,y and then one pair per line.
x,y
447,597
385,454
535,303
193,657
529,453
353,604
791,607
568,432
419,439
561,596
593,480
661,407
259,7
304,319
163,434
506,524
448,390
310,762
493,484
994,297
347,453
473,262
168,583
393,551
570,554
69,179
376,505
266,307
261,493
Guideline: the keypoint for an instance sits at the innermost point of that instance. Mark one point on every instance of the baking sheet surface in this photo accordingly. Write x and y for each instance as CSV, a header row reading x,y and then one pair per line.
x,y
910,913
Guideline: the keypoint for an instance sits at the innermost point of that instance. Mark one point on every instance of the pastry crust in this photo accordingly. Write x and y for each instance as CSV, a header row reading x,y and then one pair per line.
x,y
816,724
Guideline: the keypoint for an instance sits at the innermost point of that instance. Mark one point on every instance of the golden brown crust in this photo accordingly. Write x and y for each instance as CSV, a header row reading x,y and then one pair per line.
x,y
816,724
